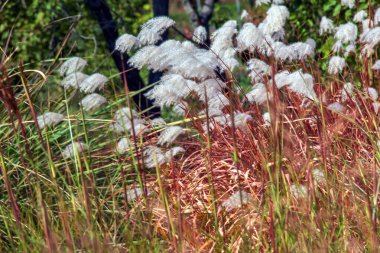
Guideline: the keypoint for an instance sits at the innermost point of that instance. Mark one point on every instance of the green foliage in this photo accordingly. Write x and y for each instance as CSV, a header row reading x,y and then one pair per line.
x,y
39,29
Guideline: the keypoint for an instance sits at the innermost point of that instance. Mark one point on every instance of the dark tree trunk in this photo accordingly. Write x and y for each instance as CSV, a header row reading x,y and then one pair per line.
x,y
160,8
101,12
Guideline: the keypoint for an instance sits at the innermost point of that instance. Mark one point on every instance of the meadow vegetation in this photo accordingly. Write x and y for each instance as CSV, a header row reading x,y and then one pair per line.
x,y
264,144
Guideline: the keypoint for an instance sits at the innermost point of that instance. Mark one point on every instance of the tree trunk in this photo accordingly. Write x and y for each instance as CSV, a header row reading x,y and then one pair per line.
x,y
160,8
101,12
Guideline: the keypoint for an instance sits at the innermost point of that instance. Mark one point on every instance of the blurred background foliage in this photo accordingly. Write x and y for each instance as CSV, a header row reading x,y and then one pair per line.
x,y
39,27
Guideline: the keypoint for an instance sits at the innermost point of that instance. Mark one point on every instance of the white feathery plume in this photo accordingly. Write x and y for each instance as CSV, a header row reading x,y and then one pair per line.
x,y
275,19
126,42
371,37
278,2
326,26
123,145
311,42
92,101
376,66
347,91
142,57
71,65
279,35
302,84
337,47
249,37
348,3
266,118
74,148
281,79
336,65
123,121
283,52
153,156
227,59
373,94
210,88
171,90
244,15
258,94
134,193
200,34
173,152
258,69
350,49
346,33
360,16
158,122
152,30
49,119
376,17
222,38
318,177
169,135
180,108
376,106
237,200
73,80
301,50
93,82
216,104
367,50
298,191
336,107
261,2
367,24
240,120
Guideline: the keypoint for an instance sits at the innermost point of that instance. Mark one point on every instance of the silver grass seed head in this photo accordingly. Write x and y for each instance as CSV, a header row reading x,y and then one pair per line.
x,y
169,135
153,157
258,94
347,33
348,3
126,42
298,191
73,80
49,119
336,107
93,82
376,18
336,65
237,200
72,65
74,148
376,66
152,30
360,16
372,93
92,102
123,145
326,26
200,34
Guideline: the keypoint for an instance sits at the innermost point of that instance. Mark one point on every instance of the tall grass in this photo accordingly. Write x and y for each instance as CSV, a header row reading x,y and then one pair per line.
x,y
303,180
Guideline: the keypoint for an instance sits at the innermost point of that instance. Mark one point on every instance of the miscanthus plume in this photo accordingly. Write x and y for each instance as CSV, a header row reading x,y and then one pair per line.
x,y
376,66
93,82
360,16
152,30
336,65
169,135
347,33
326,26
200,34
123,145
73,80
237,200
92,101
74,148
72,65
258,94
49,119
376,18
348,3
126,43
